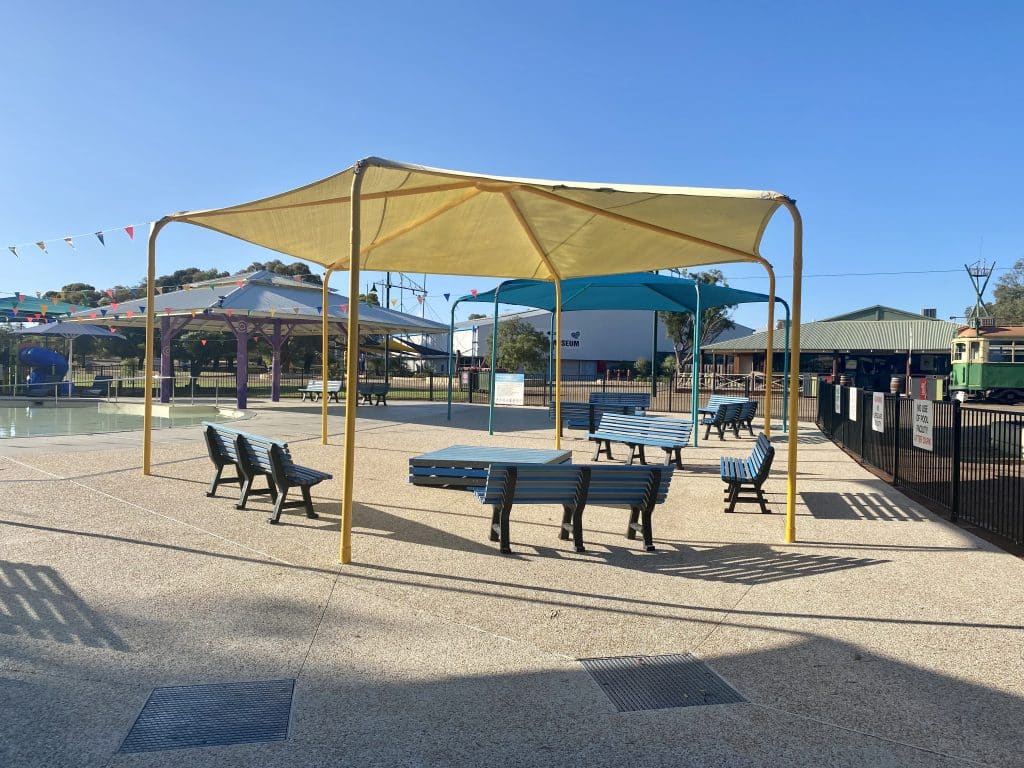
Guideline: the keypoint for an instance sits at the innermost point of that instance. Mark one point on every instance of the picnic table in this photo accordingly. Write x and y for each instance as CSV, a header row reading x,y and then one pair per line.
x,y
465,466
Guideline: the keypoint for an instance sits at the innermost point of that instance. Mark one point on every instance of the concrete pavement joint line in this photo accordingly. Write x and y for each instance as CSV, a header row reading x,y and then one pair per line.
x,y
316,630
870,735
153,512
726,613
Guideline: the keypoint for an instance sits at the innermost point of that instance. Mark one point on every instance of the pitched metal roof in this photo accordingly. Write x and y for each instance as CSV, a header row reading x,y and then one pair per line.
x,y
855,335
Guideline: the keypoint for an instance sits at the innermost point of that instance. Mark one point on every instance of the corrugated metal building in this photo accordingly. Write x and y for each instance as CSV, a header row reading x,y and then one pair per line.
x,y
869,345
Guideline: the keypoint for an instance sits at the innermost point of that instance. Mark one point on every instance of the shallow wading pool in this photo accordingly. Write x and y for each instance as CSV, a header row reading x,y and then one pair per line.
x,y
32,419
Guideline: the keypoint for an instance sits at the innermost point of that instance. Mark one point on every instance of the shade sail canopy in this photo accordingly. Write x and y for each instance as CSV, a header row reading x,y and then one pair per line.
x,y
67,331
257,295
635,290
420,219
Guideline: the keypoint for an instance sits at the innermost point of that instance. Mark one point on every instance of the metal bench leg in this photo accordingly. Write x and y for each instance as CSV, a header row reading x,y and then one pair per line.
x,y
278,506
632,455
495,522
734,491
634,517
246,487
566,527
707,432
761,501
310,512
641,455
216,481
505,544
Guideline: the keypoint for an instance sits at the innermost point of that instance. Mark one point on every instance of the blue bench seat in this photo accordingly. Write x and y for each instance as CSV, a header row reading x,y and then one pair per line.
x,y
638,432
747,474
574,487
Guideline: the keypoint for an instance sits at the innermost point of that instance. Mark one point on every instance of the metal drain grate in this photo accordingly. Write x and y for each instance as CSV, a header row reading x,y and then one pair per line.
x,y
635,683
212,715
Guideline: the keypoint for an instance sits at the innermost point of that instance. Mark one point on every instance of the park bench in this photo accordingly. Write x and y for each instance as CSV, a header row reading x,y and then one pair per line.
x,y
640,401
255,456
574,486
671,435
586,415
374,394
747,474
716,400
315,388
745,417
725,416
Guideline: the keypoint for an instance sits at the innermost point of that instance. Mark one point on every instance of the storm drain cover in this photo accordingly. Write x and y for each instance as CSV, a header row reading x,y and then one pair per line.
x,y
635,683
212,715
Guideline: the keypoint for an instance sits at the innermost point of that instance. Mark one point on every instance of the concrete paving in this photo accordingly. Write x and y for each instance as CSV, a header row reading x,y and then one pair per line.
x,y
884,637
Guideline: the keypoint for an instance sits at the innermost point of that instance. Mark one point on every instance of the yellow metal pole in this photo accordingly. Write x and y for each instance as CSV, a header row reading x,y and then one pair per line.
x,y
351,368
558,362
770,352
323,357
147,416
794,371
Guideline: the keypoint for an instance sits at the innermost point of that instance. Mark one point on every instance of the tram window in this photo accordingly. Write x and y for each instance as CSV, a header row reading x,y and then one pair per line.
x,y
975,351
958,352
1000,353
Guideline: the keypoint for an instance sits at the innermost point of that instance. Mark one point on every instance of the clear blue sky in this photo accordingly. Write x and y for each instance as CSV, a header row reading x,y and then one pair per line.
x,y
896,126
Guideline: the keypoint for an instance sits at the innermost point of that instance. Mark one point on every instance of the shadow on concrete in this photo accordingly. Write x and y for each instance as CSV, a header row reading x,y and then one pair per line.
x,y
35,601
859,506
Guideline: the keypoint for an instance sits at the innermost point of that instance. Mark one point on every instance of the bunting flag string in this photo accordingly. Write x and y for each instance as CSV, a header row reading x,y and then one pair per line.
x,y
70,239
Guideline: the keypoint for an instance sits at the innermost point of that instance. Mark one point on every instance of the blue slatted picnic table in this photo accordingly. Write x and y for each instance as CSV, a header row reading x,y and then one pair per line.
x,y
465,466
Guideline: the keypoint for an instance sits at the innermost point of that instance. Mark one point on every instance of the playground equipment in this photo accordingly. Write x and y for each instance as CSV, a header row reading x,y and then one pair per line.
x,y
48,368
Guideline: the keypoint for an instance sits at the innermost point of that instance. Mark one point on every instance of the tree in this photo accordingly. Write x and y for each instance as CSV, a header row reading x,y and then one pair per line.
x,y
476,316
714,321
79,294
370,297
296,269
520,345
642,366
185,276
1009,293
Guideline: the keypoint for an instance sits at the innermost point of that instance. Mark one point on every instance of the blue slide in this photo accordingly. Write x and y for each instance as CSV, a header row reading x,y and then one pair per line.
x,y
48,368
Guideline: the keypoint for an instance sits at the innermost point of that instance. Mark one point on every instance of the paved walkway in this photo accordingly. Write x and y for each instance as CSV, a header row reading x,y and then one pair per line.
x,y
885,637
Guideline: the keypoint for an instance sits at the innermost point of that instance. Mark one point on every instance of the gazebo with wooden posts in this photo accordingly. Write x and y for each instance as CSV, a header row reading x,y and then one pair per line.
x,y
390,216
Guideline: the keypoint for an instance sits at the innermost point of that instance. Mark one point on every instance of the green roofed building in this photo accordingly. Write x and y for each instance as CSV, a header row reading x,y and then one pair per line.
x,y
870,345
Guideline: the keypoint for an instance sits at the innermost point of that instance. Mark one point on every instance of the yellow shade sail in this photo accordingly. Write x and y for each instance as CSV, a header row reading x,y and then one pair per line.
x,y
420,219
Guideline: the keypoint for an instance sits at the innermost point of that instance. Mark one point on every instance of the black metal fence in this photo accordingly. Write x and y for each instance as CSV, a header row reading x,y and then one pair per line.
x,y
974,469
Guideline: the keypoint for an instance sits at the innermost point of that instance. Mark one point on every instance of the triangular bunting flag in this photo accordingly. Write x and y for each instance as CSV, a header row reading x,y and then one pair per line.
x,y
41,246
15,311
142,309
130,313
474,292
103,312
13,250
344,308
110,292
74,308
447,296
419,299
70,242
130,231
99,236
320,310
92,315
113,305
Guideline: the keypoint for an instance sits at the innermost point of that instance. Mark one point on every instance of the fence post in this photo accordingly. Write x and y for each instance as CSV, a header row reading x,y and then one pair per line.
x,y
896,445
954,512
430,378
864,415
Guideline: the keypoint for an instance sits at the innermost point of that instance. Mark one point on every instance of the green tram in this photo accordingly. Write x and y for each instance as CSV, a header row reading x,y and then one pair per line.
x,y
988,363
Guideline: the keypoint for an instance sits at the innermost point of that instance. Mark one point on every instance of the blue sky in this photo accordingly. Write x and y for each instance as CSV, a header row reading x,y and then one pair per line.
x,y
895,126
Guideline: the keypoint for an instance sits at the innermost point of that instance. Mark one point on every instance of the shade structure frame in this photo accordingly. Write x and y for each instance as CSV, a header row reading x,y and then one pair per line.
x,y
760,204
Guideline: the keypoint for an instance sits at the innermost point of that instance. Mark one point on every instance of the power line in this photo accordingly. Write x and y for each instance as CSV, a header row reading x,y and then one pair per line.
x,y
865,274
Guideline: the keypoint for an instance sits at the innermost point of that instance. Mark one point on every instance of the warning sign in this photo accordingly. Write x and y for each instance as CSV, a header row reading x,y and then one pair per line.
x,y
923,425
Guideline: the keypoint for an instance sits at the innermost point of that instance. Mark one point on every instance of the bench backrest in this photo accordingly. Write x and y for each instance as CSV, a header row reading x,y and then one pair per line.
x,y
566,483
726,413
636,399
716,400
254,451
748,410
760,462
318,385
373,389
583,411
669,430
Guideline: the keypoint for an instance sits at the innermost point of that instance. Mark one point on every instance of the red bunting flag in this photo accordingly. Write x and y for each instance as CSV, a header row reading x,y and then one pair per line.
x,y
167,310
231,312
130,231
239,283
110,292
130,313
74,308
203,342
419,299
113,305
41,246
344,308
92,315
70,242
474,292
